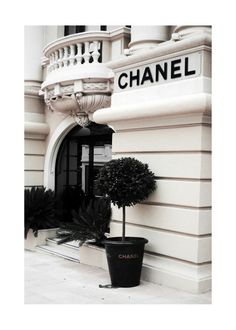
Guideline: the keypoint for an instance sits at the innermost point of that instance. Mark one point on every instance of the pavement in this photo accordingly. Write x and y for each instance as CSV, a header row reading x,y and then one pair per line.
x,y
50,279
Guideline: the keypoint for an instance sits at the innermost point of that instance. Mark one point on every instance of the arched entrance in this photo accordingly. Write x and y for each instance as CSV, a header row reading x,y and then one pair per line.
x,y
82,153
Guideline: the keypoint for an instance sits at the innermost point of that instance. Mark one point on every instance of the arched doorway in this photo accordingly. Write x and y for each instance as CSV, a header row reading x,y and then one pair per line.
x,y
81,154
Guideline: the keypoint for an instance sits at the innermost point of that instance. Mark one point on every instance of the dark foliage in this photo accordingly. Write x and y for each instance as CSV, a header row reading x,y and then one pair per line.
x,y
91,222
39,210
127,181
72,198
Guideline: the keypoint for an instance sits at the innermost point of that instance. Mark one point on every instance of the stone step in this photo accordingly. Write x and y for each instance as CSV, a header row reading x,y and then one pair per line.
x,y
87,254
68,250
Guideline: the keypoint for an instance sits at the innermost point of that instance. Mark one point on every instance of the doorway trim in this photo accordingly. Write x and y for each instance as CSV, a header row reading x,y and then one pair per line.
x,y
52,150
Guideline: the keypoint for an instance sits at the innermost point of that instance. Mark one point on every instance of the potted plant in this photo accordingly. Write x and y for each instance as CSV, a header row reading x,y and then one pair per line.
x,y
89,224
39,215
126,181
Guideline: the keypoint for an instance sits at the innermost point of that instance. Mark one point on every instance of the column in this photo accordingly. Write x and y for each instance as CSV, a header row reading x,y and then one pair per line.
x,y
36,128
185,31
143,37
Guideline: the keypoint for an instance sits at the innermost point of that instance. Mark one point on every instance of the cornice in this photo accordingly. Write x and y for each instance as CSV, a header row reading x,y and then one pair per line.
x,y
163,49
174,106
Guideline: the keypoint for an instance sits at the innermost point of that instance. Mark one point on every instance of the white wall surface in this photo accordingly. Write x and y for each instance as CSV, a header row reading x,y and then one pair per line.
x,y
33,52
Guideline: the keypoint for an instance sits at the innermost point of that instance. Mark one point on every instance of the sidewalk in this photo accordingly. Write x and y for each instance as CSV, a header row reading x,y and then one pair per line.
x,y
54,280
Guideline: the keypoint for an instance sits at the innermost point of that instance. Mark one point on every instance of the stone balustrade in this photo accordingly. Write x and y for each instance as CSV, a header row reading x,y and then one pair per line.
x,y
77,80
65,58
85,48
75,54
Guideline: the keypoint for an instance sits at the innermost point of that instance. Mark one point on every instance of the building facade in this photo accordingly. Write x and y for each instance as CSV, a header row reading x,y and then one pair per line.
x,y
93,93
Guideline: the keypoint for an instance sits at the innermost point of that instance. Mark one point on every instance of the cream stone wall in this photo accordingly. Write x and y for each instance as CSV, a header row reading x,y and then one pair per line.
x,y
36,128
34,161
176,218
168,126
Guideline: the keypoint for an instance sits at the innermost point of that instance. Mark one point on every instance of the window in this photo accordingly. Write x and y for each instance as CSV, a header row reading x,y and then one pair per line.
x,y
103,27
72,29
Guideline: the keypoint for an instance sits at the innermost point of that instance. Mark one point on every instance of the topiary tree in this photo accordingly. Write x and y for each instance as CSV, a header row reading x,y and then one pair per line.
x,y
126,181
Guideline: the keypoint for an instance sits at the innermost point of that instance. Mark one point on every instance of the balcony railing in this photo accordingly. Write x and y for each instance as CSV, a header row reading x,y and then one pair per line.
x,y
75,68
69,53
75,54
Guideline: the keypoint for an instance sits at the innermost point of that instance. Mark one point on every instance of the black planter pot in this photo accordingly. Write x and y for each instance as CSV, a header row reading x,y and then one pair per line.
x,y
125,260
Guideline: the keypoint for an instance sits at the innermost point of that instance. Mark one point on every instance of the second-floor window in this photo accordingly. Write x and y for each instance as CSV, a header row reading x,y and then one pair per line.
x,y
72,29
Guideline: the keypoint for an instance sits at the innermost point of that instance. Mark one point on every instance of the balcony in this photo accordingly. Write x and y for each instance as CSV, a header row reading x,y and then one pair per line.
x,y
77,80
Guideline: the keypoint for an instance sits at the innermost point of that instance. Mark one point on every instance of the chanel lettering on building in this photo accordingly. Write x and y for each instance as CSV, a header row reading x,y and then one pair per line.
x,y
164,71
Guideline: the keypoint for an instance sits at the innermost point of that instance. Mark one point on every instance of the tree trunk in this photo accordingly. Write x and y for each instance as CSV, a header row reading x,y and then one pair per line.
x,y
123,225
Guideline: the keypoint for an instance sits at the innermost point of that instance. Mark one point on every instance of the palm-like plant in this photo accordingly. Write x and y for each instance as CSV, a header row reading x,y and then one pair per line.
x,y
91,222
70,199
39,209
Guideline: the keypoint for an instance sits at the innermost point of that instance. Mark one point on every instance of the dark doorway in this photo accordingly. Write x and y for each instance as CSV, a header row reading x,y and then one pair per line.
x,y
82,153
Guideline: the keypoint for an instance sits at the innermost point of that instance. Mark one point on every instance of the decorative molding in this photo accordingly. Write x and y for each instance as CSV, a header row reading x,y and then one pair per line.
x,y
32,88
67,89
85,87
63,104
77,102
78,105
50,94
90,103
95,86
82,119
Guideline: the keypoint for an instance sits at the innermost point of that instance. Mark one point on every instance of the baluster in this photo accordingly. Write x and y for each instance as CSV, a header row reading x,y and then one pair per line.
x,y
53,61
60,60
65,58
79,53
56,60
50,63
86,54
72,54
95,53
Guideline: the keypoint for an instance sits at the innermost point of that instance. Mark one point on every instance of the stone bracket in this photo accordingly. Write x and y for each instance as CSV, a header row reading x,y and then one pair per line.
x,y
79,99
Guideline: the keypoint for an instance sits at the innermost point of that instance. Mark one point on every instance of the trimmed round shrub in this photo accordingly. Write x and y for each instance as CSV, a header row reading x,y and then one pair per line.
x,y
127,181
